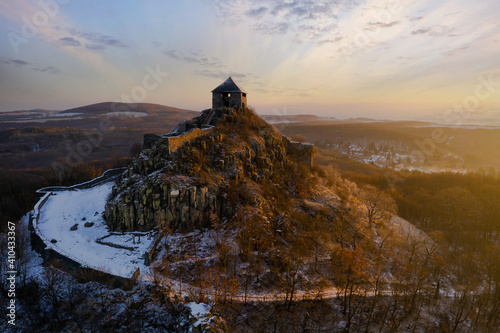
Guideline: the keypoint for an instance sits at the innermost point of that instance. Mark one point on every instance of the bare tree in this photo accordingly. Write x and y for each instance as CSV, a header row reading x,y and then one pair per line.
x,y
379,205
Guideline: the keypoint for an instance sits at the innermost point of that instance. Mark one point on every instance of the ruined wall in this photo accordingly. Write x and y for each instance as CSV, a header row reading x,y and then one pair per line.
x,y
171,143
151,250
150,139
175,142
299,152
107,176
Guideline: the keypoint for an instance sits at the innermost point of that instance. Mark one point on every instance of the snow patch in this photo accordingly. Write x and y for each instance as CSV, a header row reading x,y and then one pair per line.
x,y
198,310
126,114
64,209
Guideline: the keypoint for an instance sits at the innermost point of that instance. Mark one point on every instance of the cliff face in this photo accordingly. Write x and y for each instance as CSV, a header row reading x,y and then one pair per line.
x,y
187,187
143,202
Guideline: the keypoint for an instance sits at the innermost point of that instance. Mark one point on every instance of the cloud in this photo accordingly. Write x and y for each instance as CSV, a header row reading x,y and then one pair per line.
x,y
36,67
98,38
205,65
280,28
306,19
422,31
15,62
258,12
435,31
312,32
94,47
307,9
194,57
372,26
330,41
456,51
69,41
218,74
48,69
106,40
89,41
299,11
282,91
172,54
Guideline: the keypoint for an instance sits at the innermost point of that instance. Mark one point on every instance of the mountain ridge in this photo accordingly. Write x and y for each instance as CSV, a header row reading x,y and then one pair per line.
x,y
107,107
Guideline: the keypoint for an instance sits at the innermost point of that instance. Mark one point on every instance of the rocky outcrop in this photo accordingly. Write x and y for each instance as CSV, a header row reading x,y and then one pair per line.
x,y
175,203
184,188
157,191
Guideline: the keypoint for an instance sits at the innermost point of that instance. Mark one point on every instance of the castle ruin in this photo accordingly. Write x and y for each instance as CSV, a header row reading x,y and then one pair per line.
x,y
227,95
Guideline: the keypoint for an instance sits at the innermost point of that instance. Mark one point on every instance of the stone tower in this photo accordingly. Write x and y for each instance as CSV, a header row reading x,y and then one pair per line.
x,y
230,95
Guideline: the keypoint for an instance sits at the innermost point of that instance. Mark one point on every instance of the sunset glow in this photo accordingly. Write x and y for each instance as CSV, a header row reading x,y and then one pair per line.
x,y
380,59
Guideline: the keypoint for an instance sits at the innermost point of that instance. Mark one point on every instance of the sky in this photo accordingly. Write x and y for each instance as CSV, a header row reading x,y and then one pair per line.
x,y
383,59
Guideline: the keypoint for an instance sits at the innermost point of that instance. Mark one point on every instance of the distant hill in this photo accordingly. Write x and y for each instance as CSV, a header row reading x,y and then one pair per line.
x,y
112,107
150,117
26,112
291,118
32,138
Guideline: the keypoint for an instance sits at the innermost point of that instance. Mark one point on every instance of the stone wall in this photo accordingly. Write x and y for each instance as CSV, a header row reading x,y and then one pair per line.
x,y
171,143
151,250
150,139
107,176
299,152
175,142
236,100
50,253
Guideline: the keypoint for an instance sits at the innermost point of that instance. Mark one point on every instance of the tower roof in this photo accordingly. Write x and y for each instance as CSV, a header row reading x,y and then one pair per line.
x,y
229,86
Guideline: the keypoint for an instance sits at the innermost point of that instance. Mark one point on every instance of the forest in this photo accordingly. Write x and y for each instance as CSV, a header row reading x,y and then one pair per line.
x,y
303,250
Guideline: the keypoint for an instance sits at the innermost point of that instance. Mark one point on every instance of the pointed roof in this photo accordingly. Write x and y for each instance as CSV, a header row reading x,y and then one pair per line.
x,y
229,86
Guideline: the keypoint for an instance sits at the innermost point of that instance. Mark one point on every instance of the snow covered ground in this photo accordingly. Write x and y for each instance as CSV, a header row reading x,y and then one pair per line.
x,y
126,114
65,209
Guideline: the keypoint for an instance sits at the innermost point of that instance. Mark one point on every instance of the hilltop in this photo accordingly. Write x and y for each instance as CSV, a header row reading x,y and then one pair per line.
x,y
118,107
139,116
234,147
238,204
